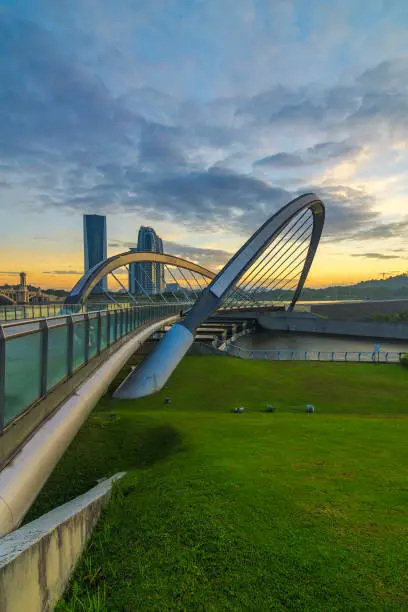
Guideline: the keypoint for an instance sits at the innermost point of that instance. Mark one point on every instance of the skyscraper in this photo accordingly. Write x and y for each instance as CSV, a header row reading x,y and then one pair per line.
x,y
147,278
95,245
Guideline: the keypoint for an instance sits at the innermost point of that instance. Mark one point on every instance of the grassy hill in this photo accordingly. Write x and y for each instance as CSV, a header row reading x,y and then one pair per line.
x,y
253,511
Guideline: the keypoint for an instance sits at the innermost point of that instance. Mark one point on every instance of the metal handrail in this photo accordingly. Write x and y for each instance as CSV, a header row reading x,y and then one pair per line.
x,y
93,314
297,354
27,370
73,309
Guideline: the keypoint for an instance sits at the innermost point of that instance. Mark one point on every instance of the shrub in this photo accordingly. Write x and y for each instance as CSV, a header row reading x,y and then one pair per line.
x,y
404,360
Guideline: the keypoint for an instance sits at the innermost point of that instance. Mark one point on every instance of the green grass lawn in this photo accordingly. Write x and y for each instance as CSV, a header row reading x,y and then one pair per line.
x,y
254,511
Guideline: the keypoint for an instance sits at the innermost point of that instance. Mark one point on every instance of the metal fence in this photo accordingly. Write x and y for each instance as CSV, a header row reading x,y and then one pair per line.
x,y
314,355
37,355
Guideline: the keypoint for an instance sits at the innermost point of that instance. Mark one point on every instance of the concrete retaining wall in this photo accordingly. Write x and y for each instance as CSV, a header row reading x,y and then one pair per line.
x,y
307,323
359,310
36,561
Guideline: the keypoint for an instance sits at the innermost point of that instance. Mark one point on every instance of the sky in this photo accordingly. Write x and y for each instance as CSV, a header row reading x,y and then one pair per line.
x,y
201,118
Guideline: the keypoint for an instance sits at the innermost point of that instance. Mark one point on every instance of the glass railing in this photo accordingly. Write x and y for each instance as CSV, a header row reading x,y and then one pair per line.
x,y
21,312
37,355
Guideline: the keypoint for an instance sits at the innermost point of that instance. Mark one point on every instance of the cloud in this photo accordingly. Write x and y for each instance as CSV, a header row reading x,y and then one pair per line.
x,y
45,238
77,136
208,258
116,244
9,273
387,75
375,256
395,229
63,272
318,154
347,210
212,259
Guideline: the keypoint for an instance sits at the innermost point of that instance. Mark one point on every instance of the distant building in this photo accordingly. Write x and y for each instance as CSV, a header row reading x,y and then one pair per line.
x,y
95,246
147,278
172,287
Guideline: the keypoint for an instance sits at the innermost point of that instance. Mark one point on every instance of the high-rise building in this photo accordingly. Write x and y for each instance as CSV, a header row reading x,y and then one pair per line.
x,y
147,278
95,245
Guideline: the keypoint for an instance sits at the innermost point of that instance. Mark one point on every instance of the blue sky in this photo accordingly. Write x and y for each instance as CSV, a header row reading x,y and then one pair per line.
x,y
201,118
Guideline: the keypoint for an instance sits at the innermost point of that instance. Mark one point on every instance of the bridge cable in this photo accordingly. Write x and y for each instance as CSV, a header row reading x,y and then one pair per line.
x,y
271,251
272,265
295,236
124,288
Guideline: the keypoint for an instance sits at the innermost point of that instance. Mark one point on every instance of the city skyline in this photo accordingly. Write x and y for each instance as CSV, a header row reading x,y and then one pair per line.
x,y
105,112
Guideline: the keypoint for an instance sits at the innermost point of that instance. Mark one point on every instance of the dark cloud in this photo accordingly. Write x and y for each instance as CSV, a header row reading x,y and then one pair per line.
x,y
160,148
48,101
375,256
347,209
79,146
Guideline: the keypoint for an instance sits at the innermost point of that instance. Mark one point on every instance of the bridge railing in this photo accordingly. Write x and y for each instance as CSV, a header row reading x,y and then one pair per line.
x,y
37,355
19,312
314,355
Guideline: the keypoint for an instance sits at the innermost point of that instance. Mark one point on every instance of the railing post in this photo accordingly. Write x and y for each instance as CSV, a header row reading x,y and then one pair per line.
x,y
116,325
346,356
292,355
2,377
43,357
98,332
86,320
70,353
108,328
318,356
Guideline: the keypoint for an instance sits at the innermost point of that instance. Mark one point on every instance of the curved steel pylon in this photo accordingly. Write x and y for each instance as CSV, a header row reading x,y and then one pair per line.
x,y
157,368
84,286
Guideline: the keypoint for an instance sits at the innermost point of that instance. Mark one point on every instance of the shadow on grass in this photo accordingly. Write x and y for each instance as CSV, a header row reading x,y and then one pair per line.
x,y
108,443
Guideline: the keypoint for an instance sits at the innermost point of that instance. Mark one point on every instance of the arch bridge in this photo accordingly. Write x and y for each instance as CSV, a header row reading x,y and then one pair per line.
x,y
274,262
269,270
272,265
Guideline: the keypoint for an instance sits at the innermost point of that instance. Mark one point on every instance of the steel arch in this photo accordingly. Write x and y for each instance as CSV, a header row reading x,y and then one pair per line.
x,y
159,365
84,286
9,300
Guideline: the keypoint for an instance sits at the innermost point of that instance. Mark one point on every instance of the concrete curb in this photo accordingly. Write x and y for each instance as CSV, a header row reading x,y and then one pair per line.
x,y
37,560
